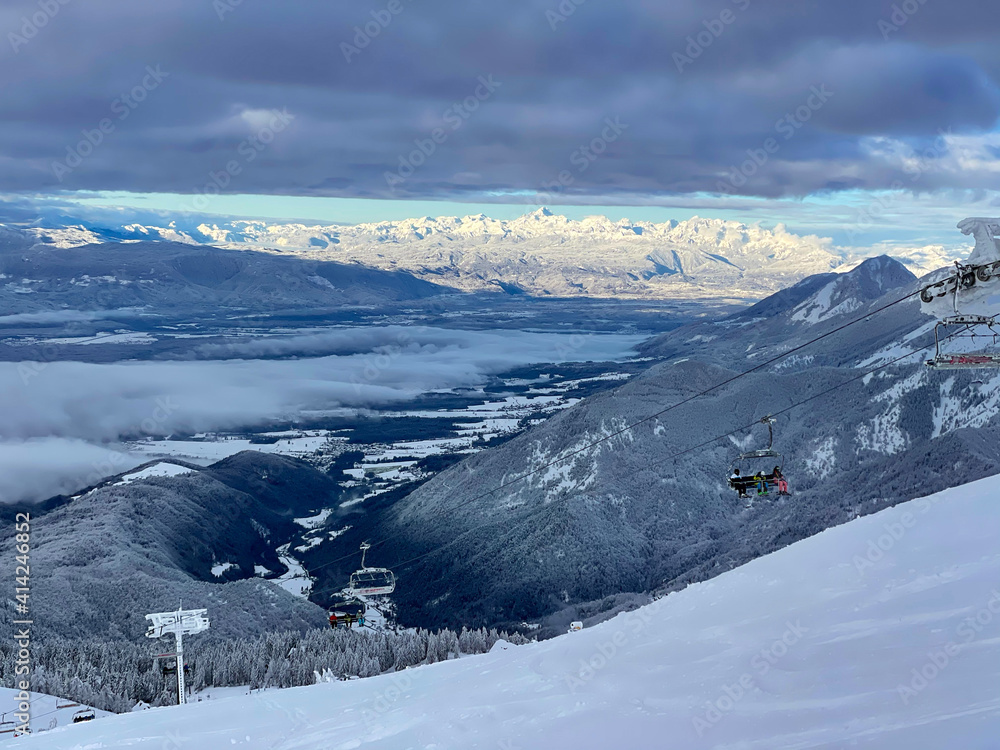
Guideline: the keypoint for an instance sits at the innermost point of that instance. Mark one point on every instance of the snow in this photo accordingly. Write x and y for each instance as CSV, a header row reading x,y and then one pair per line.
x,y
212,450
596,256
102,337
823,459
161,469
883,433
65,237
314,522
296,579
821,305
982,299
886,355
952,413
493,418
220,568
313,542
881,633
812,311
901,387
579,459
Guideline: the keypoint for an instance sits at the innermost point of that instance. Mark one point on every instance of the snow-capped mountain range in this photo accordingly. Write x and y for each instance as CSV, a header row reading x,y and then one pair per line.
x,y
540,253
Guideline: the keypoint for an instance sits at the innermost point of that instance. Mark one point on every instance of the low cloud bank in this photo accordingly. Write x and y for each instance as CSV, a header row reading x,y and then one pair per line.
x,y
40,468
54,412
54,317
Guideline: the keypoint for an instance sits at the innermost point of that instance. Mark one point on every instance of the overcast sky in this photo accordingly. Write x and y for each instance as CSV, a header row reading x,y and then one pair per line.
x,y
632,103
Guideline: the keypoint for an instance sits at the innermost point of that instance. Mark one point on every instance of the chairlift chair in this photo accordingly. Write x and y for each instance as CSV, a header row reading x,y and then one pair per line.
x,y
86,714
170,668
751,462
969,307
351,605
944,360
371,581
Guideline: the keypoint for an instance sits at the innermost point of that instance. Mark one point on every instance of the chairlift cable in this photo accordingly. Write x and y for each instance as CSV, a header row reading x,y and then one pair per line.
x,y
663,411
674,456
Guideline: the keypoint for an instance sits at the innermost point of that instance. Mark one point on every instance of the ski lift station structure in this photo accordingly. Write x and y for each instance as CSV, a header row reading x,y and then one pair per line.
x,y
371,581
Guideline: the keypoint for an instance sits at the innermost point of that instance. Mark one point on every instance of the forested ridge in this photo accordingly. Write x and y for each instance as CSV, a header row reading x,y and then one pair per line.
x,y
115,675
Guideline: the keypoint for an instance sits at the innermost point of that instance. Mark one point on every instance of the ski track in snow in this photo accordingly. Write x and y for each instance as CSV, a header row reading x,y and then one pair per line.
x,y
881,634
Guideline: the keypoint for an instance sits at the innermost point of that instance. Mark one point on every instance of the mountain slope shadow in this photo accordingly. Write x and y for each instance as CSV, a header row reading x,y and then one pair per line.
x,y
102,561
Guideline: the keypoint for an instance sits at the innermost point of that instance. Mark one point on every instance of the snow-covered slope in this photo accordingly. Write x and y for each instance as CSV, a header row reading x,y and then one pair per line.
x,y
143,541
881,633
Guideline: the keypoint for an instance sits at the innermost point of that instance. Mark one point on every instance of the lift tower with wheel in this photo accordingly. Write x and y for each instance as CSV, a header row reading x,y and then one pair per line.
x,y
966,302
180,623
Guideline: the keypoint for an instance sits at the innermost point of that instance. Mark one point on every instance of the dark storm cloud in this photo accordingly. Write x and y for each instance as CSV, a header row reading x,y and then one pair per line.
x,y
697,86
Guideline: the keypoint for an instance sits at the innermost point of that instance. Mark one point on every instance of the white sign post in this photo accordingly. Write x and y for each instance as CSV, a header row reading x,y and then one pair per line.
x,y
180,623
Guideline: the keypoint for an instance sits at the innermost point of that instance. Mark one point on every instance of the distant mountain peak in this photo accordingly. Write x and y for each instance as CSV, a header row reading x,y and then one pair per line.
x,y
851,291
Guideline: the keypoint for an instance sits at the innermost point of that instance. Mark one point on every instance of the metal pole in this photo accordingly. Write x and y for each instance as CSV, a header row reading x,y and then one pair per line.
x,y
181,698
178,623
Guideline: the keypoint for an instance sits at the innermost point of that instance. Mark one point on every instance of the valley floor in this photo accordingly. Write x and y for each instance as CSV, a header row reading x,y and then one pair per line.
x,y
882,633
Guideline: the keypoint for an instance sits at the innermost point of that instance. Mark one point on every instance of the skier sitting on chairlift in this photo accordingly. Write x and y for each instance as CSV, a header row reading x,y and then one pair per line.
x,y
738,483
779,479
761,478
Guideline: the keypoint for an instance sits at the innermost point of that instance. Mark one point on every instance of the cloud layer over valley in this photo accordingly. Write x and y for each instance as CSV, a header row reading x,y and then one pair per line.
x,y
58,415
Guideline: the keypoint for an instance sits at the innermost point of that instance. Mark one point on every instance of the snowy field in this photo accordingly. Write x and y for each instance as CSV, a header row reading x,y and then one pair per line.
x,y
213,447
295,580
882,633
160,469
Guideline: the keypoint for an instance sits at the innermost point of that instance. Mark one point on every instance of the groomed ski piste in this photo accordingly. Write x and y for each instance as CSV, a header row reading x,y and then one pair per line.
x,y
880,633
